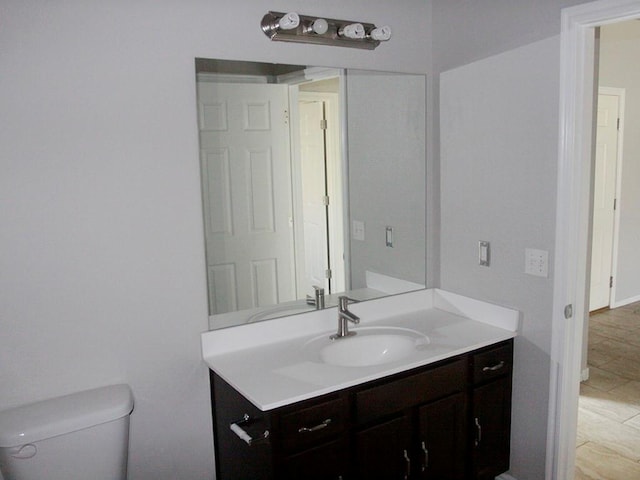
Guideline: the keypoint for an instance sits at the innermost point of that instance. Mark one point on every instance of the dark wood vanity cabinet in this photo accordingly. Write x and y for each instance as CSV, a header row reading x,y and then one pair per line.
x,y
445,421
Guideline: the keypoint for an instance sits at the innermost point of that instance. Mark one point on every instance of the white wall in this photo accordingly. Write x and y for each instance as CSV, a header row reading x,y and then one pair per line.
x,y
499,137
102,276
619,47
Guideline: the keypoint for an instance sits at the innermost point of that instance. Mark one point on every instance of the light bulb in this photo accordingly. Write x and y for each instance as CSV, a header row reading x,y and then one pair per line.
x,y
354,30
289,21
320,26
381,34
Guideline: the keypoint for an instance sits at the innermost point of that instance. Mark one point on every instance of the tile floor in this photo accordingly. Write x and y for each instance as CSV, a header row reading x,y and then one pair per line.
x,y
609,409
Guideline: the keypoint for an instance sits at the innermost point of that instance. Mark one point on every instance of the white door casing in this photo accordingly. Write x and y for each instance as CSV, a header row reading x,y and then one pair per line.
x,y
334,152
245,161
604,198
314,192
570,309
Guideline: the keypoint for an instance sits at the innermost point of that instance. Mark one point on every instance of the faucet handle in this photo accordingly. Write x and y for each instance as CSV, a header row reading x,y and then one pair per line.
x,y
318,297
343,301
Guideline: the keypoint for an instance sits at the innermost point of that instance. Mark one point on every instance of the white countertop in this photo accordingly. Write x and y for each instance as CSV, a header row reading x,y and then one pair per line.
x,y
269,364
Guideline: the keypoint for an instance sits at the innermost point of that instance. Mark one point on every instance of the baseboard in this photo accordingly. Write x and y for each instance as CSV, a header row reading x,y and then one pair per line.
x,y
624,302
504,476
584,375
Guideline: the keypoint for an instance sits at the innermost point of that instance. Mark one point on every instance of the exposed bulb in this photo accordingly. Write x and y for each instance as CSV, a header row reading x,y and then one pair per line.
x,y
354,30
381,34
289,21
320,26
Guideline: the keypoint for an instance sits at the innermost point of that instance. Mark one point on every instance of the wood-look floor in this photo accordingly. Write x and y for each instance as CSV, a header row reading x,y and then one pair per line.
x,y
609,408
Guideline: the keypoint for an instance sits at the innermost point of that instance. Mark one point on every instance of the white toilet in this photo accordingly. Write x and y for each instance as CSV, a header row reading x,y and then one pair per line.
x,y
82,436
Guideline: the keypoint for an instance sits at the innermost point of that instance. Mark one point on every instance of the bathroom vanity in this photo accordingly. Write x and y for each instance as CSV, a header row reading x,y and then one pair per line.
x,y
286,406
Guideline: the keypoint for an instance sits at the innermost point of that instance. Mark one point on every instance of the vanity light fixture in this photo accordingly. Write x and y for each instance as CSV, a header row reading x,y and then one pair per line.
x,y
320,26
353,30
381,34
289,21
279,26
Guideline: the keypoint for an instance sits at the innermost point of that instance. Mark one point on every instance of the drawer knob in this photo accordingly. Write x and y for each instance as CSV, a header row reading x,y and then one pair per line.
x,y
495,367
320,426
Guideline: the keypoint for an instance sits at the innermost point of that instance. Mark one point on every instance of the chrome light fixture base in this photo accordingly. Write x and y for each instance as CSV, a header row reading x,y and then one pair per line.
x,y
306,33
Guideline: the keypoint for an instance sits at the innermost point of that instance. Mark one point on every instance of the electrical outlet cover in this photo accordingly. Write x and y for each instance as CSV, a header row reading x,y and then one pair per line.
x,y
536,262
358,230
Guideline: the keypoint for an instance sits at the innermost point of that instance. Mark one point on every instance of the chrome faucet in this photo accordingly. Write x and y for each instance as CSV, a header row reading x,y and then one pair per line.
x,y
344,317
317,299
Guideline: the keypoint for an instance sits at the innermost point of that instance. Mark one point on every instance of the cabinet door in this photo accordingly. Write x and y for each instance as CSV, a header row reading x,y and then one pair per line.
x,y
383,450
491,417
326,462
442,439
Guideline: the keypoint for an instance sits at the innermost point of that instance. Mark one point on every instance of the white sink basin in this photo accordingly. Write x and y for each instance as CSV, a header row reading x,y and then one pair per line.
x,y
370,346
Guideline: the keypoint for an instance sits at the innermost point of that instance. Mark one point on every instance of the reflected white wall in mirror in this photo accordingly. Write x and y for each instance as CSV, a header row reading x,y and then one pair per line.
x,y
290,157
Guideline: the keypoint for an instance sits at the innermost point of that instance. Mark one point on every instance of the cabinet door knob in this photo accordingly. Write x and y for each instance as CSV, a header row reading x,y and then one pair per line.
x,y
320,426
425,465
408,464
478,432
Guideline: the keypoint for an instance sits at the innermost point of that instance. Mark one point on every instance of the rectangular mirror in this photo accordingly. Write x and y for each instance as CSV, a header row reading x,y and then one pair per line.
x,y
313,179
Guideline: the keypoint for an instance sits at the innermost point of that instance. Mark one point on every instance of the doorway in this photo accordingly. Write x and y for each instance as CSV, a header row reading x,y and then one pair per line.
x,y
318,199
608,435
606,192
570,310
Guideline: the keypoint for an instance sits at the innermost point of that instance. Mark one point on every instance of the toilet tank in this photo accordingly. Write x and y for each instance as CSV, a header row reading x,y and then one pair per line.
x,y
80,436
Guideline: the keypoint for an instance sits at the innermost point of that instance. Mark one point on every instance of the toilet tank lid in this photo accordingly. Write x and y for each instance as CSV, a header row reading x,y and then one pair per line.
x,y
61,415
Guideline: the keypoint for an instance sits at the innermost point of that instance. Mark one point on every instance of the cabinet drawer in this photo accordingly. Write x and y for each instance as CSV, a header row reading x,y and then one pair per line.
x,y
492,363
312,424
396,395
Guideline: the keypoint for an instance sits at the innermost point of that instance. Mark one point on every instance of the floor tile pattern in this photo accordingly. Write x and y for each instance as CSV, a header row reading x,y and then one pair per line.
x,y
609,409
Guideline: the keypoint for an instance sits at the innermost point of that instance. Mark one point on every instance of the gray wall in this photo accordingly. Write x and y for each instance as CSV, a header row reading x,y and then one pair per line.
x,y
102,267
498,110
386,128
619,49
468,30
102,274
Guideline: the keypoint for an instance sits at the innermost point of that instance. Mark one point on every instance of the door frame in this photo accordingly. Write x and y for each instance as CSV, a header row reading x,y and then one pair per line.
x,y
570,307
334,180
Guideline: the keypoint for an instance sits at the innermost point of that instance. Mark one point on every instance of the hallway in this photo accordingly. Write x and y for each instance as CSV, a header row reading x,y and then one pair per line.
x,y
608,444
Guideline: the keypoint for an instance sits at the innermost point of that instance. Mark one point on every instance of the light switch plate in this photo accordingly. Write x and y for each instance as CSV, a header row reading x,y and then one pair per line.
x,y
484,253
388,236
536,262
